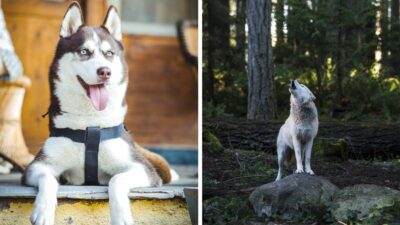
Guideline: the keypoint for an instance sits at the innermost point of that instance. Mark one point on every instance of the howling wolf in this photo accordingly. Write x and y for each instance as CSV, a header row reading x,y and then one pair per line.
x,y
299,130
88,143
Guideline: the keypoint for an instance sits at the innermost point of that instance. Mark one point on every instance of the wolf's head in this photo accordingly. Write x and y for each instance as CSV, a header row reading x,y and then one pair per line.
x,y
300,93
88,76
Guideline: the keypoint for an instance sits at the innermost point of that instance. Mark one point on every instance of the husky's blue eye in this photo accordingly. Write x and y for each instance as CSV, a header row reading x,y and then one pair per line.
x,y
109,53
83,51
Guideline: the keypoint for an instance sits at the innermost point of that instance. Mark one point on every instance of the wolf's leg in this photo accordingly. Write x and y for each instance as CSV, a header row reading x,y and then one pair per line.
x,y
308,150
281,152
41,175
118,189
297,152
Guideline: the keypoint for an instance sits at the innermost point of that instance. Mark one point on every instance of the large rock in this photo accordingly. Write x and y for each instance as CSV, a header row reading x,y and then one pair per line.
x,y
292,197
372,204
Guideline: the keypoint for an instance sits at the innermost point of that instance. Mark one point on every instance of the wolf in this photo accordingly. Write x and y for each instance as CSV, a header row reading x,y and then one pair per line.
x,y
299,130
88,79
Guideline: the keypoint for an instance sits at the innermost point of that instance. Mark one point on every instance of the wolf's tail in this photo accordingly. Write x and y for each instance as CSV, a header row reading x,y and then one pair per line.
x,y
160,164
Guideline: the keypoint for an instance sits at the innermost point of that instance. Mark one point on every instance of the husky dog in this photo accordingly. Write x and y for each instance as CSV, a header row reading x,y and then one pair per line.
x,y
88,80
299,130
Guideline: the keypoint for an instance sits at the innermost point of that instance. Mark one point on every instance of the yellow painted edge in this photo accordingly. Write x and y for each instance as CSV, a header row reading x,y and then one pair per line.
x,y
96,212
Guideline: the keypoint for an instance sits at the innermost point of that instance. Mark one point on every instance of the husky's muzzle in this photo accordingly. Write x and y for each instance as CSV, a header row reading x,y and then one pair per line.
x,y
97,93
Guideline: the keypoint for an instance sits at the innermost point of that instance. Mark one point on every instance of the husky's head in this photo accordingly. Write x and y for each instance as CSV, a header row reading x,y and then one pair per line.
x,y
300,93
88,75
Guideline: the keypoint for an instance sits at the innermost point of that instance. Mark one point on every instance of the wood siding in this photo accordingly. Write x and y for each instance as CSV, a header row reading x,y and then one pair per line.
x,y
162,94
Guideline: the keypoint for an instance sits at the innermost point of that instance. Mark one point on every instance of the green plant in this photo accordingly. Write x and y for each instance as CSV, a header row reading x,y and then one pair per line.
x,y
211,110
211,143
227,210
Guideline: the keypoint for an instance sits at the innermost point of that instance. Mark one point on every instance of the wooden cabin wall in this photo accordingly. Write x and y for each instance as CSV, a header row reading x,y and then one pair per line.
x,y
162,94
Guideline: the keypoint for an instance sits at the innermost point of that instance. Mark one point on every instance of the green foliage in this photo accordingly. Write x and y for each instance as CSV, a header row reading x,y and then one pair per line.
x,y
332,148
211,142
369,95
211,110
327,216
226,210
225,79
386,214
352,216
254,171
328,45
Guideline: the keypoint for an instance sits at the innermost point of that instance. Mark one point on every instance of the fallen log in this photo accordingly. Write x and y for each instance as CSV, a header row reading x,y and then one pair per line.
x,y
363,140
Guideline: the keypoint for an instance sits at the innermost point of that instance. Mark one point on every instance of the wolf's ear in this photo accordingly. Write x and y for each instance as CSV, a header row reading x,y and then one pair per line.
x,y
112,23
73,19
312,96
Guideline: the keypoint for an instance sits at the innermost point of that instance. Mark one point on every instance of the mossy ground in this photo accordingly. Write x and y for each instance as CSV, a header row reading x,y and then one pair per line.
x,y
230,176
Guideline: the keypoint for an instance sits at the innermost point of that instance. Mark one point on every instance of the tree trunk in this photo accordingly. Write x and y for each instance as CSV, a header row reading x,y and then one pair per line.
x,y
394,36
383,37
341,54
394,12
340,57
223,31
241,34
280,21
210,49
261,88
363,140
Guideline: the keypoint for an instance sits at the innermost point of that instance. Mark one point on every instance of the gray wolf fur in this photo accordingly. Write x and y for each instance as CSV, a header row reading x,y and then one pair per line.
x,y
88,80
299,130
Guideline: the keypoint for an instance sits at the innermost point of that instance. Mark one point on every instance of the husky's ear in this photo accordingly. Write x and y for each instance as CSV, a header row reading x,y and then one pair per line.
x,y
73,19
112,23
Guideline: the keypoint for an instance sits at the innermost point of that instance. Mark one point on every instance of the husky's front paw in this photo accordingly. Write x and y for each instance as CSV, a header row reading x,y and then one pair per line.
x,y
309,171
43,211
122,219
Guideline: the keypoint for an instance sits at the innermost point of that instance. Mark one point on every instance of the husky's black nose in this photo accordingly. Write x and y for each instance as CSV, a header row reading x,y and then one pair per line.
x,y
104,73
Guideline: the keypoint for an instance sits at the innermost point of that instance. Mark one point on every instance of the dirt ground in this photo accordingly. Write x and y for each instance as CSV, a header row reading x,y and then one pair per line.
x,y
230,176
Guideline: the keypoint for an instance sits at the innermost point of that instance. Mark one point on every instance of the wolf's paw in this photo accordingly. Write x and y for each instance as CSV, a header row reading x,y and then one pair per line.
x,y
309,171
299,170
43,211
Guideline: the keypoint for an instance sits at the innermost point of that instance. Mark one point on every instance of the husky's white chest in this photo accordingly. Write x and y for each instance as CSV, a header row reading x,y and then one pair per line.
x,y
114,157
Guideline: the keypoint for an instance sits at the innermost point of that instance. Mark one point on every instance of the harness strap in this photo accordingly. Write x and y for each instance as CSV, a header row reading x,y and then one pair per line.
x,y
80,135
92,142
91,137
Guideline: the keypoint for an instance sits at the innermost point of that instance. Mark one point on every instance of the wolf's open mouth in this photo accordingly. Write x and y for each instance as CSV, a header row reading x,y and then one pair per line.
x,y
293,85
97,93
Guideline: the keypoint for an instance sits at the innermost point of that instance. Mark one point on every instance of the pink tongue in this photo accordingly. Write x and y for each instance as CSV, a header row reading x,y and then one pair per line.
x,y
99,96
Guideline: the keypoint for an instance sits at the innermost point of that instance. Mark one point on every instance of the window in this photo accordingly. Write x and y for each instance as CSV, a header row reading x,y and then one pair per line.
x,y
154,17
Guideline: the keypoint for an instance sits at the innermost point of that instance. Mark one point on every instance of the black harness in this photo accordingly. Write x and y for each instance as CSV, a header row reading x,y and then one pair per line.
x,y
92,137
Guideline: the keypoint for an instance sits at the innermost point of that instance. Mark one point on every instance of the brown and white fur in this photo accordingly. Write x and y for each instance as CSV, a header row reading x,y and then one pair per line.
x,y
122,164
299,130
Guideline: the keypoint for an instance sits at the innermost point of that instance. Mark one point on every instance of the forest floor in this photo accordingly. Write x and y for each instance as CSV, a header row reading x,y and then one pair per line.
x,y
230,176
